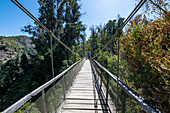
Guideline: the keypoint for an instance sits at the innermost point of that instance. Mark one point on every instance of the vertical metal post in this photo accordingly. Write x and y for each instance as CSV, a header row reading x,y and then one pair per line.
x,y
102,57
107,90
52,63
64,85
123,110
52,68
101,72
117,75
44,102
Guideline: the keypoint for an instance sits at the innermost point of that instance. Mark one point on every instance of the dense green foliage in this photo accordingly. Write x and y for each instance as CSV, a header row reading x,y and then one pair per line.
x,y
10,47
144,54
25,72
145,47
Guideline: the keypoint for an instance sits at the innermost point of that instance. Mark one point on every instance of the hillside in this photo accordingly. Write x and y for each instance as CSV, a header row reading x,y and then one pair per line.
x,y
10,47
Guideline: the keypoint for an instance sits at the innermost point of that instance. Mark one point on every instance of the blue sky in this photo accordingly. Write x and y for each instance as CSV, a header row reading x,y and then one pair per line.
x,y
12,19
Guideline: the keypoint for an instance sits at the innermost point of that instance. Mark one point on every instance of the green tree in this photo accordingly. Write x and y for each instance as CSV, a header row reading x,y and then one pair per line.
x,y
22,76
10,72
145,48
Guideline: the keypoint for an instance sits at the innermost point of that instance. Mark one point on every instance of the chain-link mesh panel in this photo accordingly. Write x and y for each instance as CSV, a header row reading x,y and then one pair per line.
x,y
54,96
50,99
47,100
118,99
70,76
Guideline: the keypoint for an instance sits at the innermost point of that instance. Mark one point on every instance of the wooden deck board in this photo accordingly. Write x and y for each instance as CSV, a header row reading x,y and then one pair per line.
x,y
83,107
83,95
82,111
91,102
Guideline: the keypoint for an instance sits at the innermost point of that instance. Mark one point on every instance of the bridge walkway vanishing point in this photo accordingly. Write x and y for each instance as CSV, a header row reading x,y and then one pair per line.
x,y
82,88
83,94
87,94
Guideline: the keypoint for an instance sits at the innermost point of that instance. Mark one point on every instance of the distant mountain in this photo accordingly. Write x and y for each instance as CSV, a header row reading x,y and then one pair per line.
x,y
10,47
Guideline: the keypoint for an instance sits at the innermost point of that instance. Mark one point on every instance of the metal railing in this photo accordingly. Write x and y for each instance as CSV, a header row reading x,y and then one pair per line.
x,y
128,100
48,97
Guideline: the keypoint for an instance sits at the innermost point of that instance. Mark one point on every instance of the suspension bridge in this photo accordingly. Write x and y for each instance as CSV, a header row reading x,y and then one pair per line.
x,y
84,87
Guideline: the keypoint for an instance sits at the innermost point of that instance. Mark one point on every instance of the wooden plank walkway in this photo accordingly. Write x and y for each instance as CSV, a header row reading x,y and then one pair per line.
x,y
83,94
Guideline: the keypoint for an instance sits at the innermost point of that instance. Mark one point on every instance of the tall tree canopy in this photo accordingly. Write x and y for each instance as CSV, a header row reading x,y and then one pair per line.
x,y
144,52
62,17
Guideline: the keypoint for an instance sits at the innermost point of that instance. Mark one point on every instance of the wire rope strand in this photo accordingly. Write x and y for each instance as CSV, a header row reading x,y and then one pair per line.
x,y
117,72
38,22
52,59
136,9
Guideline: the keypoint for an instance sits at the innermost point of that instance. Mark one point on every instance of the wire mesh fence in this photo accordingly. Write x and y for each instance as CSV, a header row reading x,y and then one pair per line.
x,y
122,98
48,97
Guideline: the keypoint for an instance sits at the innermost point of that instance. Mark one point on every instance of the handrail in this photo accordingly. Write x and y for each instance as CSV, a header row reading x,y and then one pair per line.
x,y
139,100
26,98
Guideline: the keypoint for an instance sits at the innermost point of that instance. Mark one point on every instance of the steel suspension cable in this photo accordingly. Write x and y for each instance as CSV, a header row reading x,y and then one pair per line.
x,y
117,33
43,26
140,4
117,74
29,14
52,59
136,9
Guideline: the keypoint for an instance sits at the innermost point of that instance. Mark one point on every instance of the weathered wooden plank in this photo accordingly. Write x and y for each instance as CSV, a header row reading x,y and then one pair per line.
x,y
82,82
82,91
76,84
83,86
81,111
80,97
84,107
81,102
85,89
